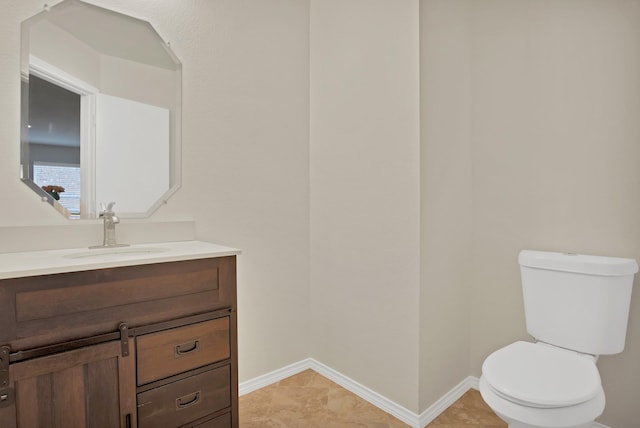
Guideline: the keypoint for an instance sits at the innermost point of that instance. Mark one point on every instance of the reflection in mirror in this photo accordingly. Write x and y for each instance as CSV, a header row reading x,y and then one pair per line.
x,y
100,111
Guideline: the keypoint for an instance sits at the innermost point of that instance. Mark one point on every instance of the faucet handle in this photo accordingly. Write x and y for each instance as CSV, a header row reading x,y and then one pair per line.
x,y
108,209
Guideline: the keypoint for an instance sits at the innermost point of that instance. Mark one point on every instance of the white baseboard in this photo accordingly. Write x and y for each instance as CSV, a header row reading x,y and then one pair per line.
x,y
273,377
381,402
405,415
447,399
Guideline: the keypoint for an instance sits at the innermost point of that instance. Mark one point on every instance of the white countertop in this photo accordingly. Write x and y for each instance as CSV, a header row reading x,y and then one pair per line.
x,y
32,263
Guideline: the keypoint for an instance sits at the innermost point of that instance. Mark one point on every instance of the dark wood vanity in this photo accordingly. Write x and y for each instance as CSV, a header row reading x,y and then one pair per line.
x,y
152,345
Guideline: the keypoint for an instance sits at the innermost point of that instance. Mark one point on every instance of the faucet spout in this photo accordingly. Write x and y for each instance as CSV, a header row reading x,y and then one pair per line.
x,y
109,221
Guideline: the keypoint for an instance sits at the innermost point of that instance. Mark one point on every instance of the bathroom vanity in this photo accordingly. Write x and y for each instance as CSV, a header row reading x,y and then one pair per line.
x,y
142,336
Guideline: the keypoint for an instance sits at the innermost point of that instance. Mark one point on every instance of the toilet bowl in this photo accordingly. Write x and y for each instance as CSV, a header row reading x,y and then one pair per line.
x,y
537,385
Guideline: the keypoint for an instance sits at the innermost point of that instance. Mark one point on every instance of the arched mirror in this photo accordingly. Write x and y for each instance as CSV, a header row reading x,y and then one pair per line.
x,y
100,113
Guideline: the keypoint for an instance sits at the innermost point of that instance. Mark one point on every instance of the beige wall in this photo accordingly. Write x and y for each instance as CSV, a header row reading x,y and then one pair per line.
x,y
446,209
246,97
138,82
110,75
60,49
556,102
365,193
530,133
245,158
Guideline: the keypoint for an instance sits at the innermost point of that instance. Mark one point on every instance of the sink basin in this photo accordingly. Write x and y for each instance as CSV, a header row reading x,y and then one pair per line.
x,y
115,251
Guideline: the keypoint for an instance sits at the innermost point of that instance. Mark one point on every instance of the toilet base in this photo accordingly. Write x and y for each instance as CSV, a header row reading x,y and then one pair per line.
x,y
515,424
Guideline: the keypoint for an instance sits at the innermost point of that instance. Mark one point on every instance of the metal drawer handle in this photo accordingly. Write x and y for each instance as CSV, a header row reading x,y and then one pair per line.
x,y
187,400
187,348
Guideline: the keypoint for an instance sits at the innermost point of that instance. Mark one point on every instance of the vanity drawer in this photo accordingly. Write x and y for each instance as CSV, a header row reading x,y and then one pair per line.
x,y
186,400
173,351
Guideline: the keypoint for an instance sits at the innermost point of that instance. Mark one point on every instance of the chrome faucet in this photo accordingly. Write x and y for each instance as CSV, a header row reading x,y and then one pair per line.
x,y
110,219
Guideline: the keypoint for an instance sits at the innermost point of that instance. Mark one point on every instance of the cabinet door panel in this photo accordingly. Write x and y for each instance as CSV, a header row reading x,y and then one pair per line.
x,y
67,397
104,393
90,387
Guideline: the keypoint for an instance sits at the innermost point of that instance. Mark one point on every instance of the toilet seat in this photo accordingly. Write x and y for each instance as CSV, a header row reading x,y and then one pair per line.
x,y
581,415
541,376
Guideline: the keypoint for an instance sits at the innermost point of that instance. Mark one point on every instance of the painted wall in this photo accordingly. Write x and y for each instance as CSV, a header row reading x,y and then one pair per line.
x,y
555,134
246,116
365,184
51,44
137,81
110,75
446,198
245,158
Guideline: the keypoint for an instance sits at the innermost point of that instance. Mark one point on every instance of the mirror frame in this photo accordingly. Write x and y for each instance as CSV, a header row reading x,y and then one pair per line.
x,y
175,142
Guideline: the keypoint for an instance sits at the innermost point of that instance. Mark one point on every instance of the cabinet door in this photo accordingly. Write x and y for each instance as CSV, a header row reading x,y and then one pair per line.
x,y
91,387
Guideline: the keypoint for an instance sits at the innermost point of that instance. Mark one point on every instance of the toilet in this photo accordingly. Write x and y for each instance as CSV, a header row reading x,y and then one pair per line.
x,y
576,308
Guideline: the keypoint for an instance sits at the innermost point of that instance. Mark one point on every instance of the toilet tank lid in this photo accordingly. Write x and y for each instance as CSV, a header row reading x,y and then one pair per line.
x,y
578,263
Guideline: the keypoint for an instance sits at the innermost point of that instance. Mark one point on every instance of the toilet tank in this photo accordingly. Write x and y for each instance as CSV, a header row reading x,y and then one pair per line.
x,y
576,301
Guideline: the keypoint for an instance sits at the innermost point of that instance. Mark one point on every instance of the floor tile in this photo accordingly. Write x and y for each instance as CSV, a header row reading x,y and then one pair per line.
x,y
309,400
469,411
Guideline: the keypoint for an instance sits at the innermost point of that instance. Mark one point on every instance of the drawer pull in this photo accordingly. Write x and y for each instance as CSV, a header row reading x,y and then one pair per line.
x,y
187,400
187,348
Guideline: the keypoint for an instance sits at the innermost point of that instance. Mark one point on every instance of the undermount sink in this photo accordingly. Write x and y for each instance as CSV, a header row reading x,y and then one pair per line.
x,y
107,251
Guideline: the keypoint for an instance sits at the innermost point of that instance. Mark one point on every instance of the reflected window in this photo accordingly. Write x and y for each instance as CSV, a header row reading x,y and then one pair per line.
x,y
54,142
60,181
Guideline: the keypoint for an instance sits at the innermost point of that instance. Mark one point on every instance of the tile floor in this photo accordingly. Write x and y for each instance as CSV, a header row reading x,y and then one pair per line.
x,y
470,411
309,400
